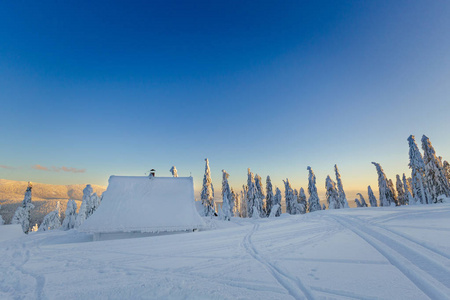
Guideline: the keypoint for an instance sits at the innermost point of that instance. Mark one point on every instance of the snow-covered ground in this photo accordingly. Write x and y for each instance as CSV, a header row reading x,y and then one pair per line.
x,y
359,253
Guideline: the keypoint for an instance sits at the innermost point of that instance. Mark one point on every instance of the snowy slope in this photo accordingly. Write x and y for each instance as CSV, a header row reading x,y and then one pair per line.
x,y
360,253
134,203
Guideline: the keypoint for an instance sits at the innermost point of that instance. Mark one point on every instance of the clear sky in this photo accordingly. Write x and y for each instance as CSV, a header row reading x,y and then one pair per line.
x,y
88,90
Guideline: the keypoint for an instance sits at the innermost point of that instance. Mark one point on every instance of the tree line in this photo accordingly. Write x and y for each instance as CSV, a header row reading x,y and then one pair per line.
x,y
429,183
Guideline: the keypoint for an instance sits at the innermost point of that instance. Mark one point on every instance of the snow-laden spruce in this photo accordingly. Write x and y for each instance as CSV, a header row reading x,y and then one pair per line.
x,y
226,209
332,194
362,200
372,199
70,215
259,196
437,182
251,193
392,192
243,209
446,167
419,184
303,206
236,203
22,215
342,198
89,205
227,206
313,201
269,196
276,208
291,198
386,196
1,219
358,203
207,194
407,189
401,195
174,171
52,220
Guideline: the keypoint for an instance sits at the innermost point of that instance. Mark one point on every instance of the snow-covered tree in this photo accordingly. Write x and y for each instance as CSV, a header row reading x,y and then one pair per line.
x,y
392,191
70,215
276,208
342,198
332,194
358,203
313,201
324,207
22,215
251,193
437,182
174,171
243,203
207,194
401,195
302,201
372,199
255,213
386,196
52,220
362,200
236,203
446,167
409,199
1,219
420,189
289,197
269,196
259,196
89,205
227,207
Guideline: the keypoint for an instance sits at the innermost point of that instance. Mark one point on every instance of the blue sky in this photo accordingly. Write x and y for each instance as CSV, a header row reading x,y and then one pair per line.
x,y
121,87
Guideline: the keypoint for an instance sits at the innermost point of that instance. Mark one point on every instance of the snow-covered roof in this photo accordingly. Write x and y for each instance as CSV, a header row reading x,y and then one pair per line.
x,y
143,204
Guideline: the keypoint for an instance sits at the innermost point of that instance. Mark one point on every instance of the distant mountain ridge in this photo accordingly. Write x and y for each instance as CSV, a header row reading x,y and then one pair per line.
x,y
15,190
44,197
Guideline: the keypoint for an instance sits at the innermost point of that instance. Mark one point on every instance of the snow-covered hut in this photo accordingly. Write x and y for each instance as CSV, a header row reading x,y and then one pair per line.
x,y
142,206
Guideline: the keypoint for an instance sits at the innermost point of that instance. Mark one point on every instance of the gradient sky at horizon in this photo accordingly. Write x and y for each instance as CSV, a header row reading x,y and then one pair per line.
x,y
89,90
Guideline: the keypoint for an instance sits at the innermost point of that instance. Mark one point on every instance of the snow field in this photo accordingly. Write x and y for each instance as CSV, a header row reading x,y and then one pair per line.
x,y
370,253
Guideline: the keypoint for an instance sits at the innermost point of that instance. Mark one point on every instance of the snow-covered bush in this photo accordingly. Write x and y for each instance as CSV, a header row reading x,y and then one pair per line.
x,y
174,171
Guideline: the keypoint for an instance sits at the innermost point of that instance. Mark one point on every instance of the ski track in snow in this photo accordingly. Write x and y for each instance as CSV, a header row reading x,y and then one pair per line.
x,y
429,274
426,249
19,258
292,284
243,261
